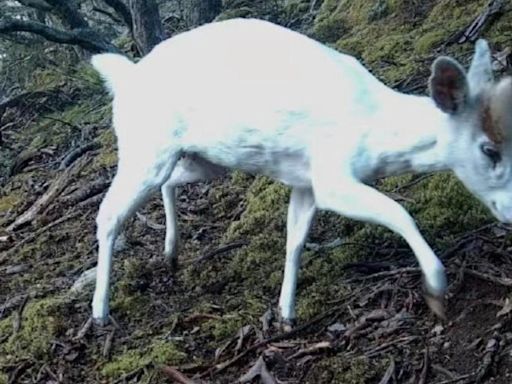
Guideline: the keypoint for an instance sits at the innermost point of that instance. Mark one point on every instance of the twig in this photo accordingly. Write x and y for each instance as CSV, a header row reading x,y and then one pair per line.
x,y
424,371
493,279
457,379
76,153
62,122
394,272
16,325
176,375
53,191
492,347
389,372
18,371
7,254
85,328
107,347
323,345
222,249
149,223
411,183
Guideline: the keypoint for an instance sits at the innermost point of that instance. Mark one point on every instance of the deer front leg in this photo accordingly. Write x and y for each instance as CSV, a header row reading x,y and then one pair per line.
x,y
353,199
300,214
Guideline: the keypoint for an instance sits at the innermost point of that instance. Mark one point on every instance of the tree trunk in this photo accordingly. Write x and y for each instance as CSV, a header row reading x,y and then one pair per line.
x,y
197,12
148,30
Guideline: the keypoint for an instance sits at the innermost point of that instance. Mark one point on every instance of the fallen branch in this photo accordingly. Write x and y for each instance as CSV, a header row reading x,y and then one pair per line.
x,y
471,33
321,346
7,254
51,194
89,190
176,375
76,153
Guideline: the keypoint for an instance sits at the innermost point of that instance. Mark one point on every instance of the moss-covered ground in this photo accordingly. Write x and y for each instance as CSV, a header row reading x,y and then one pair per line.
x,y
192,319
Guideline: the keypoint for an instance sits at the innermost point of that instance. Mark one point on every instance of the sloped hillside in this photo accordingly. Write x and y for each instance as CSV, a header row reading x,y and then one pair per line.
x,y
361,317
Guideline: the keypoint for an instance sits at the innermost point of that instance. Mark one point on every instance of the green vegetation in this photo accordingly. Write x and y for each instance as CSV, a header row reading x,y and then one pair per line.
x,y
159,352
40,324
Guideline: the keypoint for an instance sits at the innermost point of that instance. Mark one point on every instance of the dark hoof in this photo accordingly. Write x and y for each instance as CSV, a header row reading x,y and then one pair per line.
x,y
436,304
173,264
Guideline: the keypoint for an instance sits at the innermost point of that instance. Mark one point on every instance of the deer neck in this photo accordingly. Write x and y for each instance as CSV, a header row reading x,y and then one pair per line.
x,y
410,134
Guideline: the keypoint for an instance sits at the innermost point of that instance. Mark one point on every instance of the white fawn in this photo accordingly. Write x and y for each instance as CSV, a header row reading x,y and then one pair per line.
x,y
254,96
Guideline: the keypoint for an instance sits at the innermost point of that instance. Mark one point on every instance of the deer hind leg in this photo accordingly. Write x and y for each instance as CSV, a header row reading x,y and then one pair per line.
x,y
301,211
189,169
131,186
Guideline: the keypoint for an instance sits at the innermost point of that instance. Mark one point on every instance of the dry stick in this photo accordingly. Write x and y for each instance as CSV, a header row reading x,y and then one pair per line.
x,y
457,379
16,325
222,249
424,371
395,272
389,372
176,375
85,328
33,235
149,223
411,183
51,194
493,279
107,347
18,371
443,371
76,153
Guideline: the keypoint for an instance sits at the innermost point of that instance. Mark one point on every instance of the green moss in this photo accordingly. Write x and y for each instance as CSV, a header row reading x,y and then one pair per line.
x,y
330,28
426,43
40,325
223,328
3,378
380,10
266,208
9,202
159,352
108,155
338,370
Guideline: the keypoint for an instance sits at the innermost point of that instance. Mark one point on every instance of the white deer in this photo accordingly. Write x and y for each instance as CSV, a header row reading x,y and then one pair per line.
x,y
254,96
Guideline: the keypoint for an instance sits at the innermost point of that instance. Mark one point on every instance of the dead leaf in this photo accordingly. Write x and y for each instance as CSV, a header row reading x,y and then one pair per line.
x,y
258,369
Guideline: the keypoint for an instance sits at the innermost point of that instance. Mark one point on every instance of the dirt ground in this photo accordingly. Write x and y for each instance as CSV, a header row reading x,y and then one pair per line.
x,y
361,314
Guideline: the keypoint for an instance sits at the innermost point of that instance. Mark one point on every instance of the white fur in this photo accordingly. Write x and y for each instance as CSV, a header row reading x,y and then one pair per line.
x,y
254,96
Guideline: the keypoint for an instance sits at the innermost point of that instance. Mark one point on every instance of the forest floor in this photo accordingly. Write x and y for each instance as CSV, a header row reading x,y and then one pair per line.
x,y
361,314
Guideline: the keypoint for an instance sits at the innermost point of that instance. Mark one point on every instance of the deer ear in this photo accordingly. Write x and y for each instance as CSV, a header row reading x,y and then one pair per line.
x,y
448,85
480,71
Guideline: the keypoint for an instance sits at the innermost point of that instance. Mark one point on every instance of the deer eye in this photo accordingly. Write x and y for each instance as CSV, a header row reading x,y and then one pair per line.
x,y
491,152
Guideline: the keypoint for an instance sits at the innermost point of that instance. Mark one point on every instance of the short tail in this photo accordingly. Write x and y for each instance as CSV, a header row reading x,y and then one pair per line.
x,y
115,69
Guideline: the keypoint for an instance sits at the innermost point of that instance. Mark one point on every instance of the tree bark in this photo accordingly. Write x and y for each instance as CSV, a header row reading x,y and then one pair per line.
x,y
148,30
122,10
83,37
198,12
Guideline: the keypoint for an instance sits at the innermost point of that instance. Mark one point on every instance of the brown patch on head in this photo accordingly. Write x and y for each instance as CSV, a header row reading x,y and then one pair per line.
x,y
497,111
